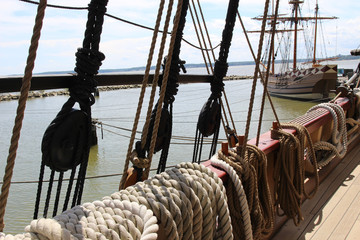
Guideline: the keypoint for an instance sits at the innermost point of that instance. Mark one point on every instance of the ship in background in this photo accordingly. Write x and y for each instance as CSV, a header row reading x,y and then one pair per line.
x,y
312,83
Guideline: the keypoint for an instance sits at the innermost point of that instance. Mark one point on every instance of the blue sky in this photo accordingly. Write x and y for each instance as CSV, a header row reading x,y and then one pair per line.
x,y
127,46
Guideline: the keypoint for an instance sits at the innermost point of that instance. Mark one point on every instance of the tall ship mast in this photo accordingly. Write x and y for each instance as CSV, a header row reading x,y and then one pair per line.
x,y
313,83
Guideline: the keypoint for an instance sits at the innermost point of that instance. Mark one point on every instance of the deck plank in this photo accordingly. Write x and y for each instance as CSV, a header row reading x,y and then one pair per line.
x,y
350,216
355,231
335,211
316,211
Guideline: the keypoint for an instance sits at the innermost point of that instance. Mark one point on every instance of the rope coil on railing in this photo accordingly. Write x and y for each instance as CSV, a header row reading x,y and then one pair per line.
x,y
338,145
189,202
289,173
241,198
260,207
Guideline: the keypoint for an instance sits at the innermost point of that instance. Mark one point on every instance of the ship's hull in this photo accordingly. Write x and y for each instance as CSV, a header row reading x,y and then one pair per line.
x,y
310,84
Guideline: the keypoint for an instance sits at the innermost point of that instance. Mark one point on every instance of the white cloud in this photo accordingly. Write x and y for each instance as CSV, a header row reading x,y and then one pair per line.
x,y
127,46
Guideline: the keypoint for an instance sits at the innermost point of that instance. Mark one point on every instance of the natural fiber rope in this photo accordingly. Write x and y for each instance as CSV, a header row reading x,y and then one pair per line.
x,y
24,91
289,173
189,202
202,35
241,198
259,160
247,173
338,147
107,219
163,86
142,94
252,96
261,76
265,82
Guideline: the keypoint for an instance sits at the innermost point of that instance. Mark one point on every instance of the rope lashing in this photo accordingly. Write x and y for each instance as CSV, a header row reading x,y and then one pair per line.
x,y
24,92
338,145
289,173
210,115
66,142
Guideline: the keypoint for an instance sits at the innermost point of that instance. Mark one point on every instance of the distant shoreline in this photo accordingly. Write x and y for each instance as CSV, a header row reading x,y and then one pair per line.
x,y
190,65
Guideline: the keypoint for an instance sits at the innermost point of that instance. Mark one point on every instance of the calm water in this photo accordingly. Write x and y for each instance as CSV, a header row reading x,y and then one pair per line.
x,y
117,109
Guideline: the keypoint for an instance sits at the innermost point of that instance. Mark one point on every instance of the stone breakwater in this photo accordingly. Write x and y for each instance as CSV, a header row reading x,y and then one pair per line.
x,y
43,93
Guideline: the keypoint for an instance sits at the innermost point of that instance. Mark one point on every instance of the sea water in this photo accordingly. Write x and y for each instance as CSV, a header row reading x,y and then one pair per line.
x,y
116,110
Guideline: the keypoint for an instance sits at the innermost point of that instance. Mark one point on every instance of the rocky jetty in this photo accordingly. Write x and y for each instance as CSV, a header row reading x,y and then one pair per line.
x,y
43,93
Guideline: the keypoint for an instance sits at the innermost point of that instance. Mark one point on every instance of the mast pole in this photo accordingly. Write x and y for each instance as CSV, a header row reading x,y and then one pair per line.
x,y
273,51
296,5
316,19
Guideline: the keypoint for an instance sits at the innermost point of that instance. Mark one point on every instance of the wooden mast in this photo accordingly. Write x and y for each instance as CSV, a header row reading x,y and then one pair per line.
x,y
296,9
316,20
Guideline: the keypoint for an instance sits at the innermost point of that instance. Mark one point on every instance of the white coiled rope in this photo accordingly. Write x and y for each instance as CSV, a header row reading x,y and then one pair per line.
x,y
339,135
188,202
240,193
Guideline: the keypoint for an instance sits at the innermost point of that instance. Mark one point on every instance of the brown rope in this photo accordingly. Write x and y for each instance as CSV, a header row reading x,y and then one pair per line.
x,y
265,83
267,92
199,40
202,34
206,31
289,173
142,94
247,172
255,75
24,91
163,86
259,160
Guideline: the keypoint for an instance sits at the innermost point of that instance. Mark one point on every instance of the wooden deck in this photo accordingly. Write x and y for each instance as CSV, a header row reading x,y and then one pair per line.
x,y
334,212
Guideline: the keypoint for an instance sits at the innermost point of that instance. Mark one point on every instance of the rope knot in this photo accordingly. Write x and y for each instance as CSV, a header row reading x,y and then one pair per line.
x,y
88,61
217,85
138,161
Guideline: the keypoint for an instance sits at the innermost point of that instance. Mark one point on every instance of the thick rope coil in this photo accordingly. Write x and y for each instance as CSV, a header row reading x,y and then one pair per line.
x,y
196,208
107,219
289,173
247,173
338,147
258,159
241,196
204,198
221,210
188,202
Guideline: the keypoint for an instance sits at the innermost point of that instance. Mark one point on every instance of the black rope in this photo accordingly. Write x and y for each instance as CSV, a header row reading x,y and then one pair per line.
x,y
70,132
58,192
210,115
